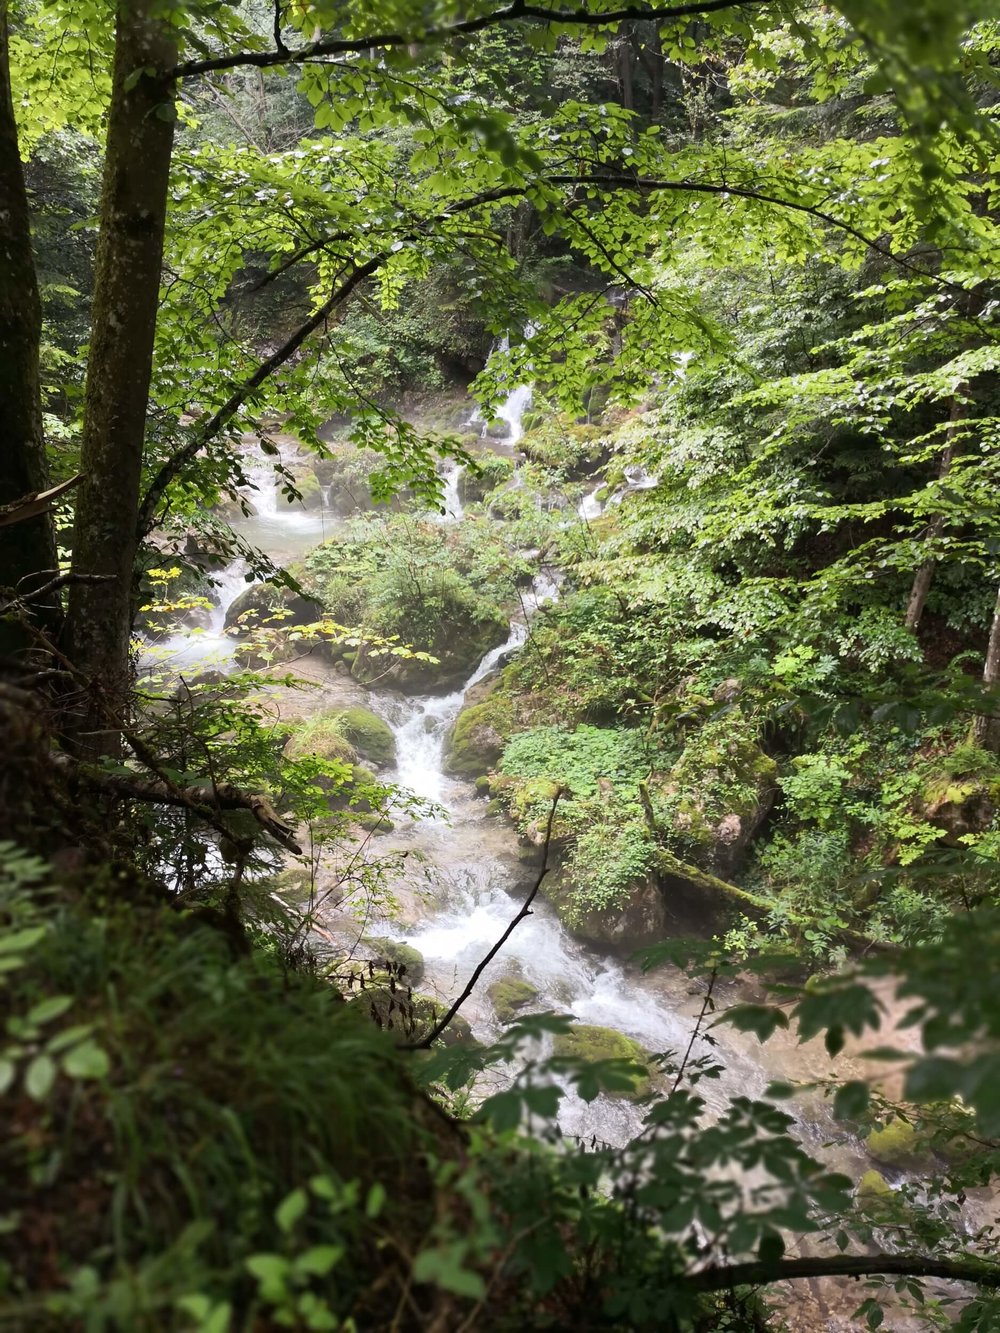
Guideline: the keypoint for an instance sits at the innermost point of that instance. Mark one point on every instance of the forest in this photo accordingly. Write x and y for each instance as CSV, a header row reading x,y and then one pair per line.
x,y
499,666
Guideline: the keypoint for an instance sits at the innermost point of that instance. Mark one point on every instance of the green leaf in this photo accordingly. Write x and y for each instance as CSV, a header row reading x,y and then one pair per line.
x,y
88,1060
851,1101
319,1259
46,1010
760,1019
291,1208
40,1076
443,1267
376,1200
21,940
270,1270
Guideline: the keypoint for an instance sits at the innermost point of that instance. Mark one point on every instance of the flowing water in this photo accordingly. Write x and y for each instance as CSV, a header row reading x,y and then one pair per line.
x,y
471,879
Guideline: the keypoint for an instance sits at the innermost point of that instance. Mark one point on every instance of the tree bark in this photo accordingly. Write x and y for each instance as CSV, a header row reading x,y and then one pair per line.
x,y
27,549
123,323
987,726
925,574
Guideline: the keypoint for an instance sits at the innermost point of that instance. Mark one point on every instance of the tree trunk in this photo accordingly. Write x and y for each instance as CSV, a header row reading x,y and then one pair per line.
x,y
27,549
987,727
925,574
123,323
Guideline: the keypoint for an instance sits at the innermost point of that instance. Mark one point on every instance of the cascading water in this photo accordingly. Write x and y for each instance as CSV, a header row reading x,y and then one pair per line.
x,y
590,506
512,409
473,871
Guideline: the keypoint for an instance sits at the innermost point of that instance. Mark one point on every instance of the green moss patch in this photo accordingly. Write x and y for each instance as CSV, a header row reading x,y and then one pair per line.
x,y
590,1042
370,735
408,961
510,995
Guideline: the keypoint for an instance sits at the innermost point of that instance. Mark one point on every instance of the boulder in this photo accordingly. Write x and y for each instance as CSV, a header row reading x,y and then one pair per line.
x,y
475,742
408,961
588,1041
897,1144
370,735
270,605
509,996
641,920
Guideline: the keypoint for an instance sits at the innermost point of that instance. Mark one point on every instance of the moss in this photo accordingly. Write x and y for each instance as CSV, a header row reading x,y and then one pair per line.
x,y
427,1011
476,741
370,735
494,471
587,1041
896,1144
403,956
308,486
320,736
509,995
873,1185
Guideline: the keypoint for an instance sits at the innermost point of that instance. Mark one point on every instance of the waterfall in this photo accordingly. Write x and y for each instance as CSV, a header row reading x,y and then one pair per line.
x,y
590,506
421,725
518,400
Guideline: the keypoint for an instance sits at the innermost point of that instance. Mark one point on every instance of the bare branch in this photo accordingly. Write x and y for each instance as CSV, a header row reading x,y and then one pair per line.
x,y
36,502
481,966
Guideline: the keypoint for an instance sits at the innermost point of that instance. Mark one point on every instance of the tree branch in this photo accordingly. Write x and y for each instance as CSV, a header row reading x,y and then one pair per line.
x,y
481,966
754,1273
176,463
518,11
203,799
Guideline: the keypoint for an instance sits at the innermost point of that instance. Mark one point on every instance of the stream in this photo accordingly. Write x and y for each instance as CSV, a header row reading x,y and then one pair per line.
x,y
466,880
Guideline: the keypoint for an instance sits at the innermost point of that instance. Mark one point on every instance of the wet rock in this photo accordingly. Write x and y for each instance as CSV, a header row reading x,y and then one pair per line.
x,y
897,1144
588,1041
476,741
510,995
641,920
873,1185
370,734
265,604
408,961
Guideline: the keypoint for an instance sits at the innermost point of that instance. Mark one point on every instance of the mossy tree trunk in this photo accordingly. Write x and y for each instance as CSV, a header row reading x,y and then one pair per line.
x,y
126,296
27,549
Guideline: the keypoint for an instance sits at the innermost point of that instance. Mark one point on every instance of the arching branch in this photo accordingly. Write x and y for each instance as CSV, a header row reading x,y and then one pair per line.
x,y
516,12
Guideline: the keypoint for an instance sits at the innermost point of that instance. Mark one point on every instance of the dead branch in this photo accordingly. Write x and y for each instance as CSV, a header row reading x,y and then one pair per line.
x,y
35,502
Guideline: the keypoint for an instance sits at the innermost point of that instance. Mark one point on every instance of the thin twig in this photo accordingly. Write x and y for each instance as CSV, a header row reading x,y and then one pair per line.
x,y
525,911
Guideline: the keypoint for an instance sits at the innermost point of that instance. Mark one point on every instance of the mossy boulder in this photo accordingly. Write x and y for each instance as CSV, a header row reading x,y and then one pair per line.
x,y
640,920
309,488
573,449
494,470
460,639
718,794
320,736
268,605
873,1185
428,1011
897,1144
370,735
477,739
510,995
588,1041
402,956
